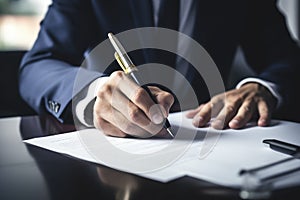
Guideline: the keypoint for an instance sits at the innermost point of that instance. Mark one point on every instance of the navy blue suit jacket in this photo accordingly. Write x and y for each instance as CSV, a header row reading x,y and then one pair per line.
x,y
73,27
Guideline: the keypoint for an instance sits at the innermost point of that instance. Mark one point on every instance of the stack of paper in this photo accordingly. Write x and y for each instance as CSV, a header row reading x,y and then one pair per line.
x,y
215,156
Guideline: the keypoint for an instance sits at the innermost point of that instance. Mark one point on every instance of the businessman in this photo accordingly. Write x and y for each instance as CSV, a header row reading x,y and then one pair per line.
x,y
72,28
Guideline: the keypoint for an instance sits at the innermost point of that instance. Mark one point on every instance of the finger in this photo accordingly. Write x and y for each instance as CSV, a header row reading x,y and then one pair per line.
x,y
245,113
209,110
117,119
136,116
226,114
100,122
108,128
165,99
139,97
205,113
191,113
264,114
129,110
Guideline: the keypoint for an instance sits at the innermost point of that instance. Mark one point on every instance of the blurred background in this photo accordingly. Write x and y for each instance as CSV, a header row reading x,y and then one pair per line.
x,y
19,21
19,26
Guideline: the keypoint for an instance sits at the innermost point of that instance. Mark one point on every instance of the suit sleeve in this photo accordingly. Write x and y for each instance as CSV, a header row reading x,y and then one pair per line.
x,y
272,53
49,69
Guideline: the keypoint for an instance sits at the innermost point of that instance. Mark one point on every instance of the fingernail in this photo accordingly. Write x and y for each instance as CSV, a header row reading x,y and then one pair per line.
x,y
262,122
217,124
156,114
234,122
157,118
190,114
197,120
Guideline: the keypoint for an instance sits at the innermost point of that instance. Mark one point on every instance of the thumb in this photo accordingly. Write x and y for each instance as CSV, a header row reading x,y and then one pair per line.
x,y
165,100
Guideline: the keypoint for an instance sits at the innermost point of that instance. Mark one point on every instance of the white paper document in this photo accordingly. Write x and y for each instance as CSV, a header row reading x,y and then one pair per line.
x,y
203,153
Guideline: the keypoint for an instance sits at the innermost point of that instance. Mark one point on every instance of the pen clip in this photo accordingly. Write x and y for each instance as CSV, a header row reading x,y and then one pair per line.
x,y
128,69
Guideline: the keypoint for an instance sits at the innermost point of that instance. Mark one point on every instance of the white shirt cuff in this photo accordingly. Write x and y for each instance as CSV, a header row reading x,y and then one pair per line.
x,y
272,87
91,94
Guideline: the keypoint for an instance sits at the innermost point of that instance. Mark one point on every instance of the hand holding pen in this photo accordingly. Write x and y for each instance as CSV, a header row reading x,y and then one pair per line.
x,y
124,108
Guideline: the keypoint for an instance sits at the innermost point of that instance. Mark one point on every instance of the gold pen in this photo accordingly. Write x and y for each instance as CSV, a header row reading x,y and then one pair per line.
x,y
130,69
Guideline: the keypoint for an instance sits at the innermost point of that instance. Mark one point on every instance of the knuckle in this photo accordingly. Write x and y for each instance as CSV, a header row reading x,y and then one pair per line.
x,y
230,108
232,97
246,109
216,99
100,94
210,105
117,75
207,108
134,114
239,98
169,98
104,90
234,102
139,95
153,88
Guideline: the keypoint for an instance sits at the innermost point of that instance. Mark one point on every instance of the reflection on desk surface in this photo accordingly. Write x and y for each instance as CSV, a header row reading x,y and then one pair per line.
x,y
28,172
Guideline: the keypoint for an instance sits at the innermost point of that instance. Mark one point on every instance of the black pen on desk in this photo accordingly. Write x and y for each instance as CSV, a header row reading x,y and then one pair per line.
x,y
282,147
130,69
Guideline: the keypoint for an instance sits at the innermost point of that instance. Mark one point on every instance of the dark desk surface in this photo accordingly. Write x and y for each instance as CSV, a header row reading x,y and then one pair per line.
x,y
28,172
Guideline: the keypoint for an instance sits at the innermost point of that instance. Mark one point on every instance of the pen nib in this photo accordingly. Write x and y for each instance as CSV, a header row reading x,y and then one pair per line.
x,y
170,132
